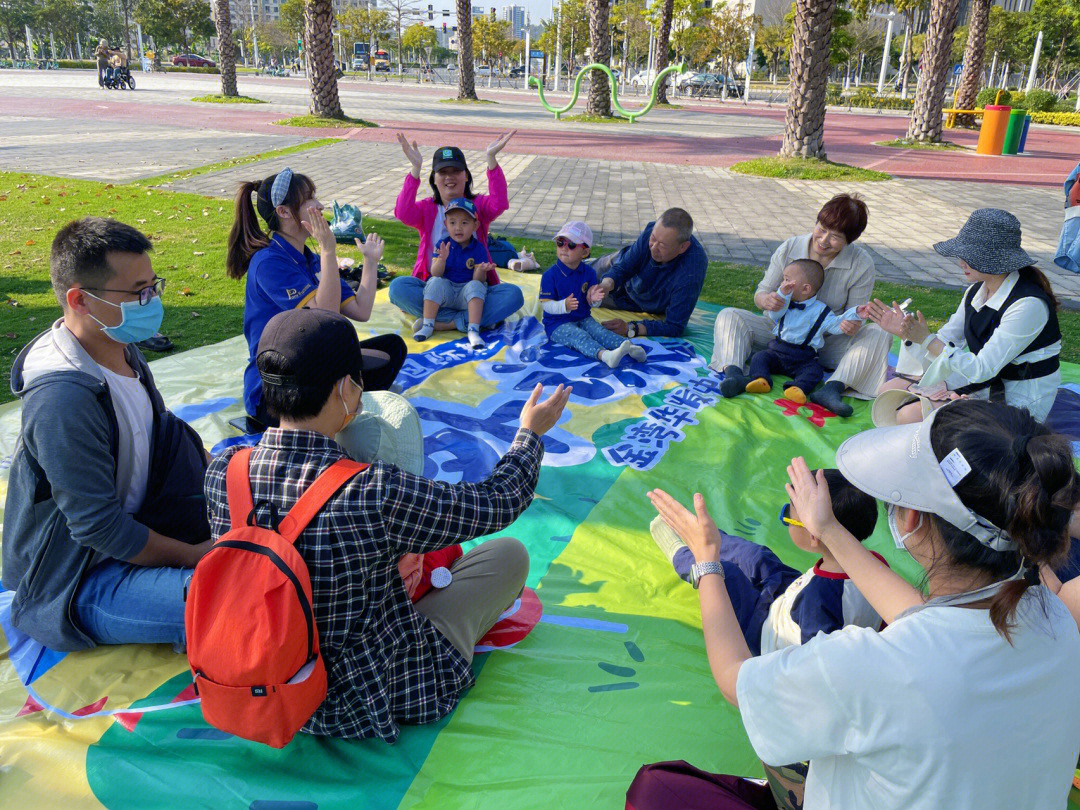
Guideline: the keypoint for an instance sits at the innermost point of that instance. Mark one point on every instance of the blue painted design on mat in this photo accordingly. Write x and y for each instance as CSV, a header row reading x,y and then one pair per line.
x,y
189,413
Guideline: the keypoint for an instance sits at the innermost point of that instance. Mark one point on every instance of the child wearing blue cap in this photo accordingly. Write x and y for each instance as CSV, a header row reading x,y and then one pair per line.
x,y
564,296
458,273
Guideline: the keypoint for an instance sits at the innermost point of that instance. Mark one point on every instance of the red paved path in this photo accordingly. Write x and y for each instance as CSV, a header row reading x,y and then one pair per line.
x,y
850,137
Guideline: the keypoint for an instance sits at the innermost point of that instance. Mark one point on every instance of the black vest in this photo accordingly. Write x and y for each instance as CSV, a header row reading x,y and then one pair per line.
x,y
979,325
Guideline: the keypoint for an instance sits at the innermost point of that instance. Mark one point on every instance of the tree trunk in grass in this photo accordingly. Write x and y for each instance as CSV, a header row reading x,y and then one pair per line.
x,y
466,76
322,71
974,54
663,39
600,43
936,60
804,128
226,47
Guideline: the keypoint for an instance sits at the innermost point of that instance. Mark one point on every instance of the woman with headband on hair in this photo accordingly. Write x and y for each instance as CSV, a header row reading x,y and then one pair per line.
x,y
968,697
282,274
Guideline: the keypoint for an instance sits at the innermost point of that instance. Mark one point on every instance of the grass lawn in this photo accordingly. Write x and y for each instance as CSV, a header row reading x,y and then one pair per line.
x,y
217,98
467,101
314,122
904,143
595,119
806,169
203,306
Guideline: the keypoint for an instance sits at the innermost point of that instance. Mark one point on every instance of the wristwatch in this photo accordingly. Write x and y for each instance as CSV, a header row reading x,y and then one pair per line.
x,y
699,570
631,330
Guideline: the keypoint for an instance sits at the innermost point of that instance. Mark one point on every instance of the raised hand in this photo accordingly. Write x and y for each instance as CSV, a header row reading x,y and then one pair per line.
x,y
372,249
444,251
498,144
697,529
892,319
412,152
571,303
315,224
809,495
773,303
540,417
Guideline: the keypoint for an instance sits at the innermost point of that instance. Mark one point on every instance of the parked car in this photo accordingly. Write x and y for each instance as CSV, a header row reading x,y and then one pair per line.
x,y
359,63
643,79
483,70
517,72
713,84
192,60
382,62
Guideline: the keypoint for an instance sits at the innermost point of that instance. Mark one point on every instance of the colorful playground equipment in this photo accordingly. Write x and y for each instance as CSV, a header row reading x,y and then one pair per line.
x,y
632,115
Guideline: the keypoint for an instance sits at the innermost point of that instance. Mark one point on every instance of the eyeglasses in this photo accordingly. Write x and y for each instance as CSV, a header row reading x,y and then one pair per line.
x,y
146,294
563,242
785,512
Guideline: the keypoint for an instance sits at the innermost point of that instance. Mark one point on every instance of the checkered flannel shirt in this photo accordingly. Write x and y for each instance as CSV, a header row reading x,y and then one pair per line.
x,y
385,663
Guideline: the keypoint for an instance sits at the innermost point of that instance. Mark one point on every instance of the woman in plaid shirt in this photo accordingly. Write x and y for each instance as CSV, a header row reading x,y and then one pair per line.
x,y
388,661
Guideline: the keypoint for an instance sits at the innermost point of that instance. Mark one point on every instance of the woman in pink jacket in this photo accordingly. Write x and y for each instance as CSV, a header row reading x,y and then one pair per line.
x,y
450,178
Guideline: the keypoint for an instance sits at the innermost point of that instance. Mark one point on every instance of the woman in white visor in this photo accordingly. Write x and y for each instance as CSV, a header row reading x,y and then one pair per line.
x,y
969,697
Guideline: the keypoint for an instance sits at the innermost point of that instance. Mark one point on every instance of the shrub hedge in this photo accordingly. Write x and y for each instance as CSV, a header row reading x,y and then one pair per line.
x,y
1065,119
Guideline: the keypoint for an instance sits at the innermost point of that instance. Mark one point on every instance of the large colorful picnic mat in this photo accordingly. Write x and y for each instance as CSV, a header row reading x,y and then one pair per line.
x,y
612,676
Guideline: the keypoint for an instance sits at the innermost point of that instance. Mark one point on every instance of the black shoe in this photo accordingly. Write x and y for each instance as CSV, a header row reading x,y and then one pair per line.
x,y
829,397
157,343
734,382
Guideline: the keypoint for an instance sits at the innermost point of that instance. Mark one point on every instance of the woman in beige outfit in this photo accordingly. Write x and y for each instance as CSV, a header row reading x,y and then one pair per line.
x,y
859,356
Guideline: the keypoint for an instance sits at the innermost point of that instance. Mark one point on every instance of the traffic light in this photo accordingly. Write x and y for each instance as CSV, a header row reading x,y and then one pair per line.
x,y
444,28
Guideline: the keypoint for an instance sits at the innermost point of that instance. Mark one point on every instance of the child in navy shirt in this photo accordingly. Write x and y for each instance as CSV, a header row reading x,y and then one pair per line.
x,y
458,273
799,334
564,297
775,605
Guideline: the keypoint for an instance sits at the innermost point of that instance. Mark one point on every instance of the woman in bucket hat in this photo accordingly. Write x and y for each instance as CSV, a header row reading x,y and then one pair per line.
x,y
1003,341
968,697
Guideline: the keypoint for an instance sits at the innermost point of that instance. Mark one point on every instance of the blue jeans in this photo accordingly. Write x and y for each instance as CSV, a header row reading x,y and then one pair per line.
x,y
450,295
587,336
121,603
502,301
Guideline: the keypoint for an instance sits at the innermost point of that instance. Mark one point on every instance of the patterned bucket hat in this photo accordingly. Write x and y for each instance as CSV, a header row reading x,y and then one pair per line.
x,y
989,242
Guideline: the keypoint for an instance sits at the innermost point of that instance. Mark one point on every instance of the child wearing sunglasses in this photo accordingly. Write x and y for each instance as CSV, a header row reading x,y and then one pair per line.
x,y
564,296
777,606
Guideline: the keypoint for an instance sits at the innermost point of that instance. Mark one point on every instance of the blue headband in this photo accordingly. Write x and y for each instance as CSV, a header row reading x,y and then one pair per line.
x,y
280,190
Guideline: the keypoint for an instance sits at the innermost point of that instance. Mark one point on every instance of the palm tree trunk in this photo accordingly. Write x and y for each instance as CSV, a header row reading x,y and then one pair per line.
x,y
226,47
466,77
663,39
322,70
974,55
804,128
600,42
936,60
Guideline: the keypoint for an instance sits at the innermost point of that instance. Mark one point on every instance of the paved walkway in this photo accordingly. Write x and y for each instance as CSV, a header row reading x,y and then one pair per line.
x,y
615,176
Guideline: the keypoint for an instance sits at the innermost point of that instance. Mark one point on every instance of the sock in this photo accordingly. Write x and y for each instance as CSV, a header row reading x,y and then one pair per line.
x,y
427,328
613,356
636,352
475,341
795,394
759,386
828,396
734,382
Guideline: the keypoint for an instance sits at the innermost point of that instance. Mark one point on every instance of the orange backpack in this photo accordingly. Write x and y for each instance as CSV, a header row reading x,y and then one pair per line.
x,y
252,642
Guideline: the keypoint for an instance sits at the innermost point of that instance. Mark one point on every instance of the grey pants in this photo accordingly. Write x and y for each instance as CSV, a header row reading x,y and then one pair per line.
x,y
486,581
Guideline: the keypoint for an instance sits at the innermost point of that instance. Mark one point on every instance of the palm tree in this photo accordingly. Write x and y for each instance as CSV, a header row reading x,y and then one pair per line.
x,y
804,127
936,60
322,69
974,54
226,47
466,88
600,43
662,41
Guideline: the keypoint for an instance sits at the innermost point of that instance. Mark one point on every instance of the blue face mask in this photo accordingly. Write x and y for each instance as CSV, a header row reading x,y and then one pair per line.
x,y
138,322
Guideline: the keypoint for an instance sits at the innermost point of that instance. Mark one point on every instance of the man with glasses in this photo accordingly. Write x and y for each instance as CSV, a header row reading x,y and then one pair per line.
x,y
104,516
662,273
777,606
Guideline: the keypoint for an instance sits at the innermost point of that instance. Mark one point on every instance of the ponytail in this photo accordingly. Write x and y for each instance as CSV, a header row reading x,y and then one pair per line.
x,y
1038,277
1023,479
246,236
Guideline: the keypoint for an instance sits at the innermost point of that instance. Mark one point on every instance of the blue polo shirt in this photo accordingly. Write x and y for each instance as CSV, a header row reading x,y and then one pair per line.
x,y
462,261
558,283
279,278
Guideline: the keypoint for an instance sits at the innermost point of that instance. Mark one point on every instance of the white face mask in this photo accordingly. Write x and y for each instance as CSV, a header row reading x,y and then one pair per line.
x,y
898,538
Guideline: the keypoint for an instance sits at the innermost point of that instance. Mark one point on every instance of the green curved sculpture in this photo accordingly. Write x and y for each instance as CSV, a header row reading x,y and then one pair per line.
x,y
632,115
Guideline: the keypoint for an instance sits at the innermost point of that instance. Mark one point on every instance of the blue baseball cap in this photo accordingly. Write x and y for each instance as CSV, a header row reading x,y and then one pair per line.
x,y
462,204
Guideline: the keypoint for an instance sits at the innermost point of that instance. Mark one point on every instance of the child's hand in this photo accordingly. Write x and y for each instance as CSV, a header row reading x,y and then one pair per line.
x,y
787,288
698,530
810,497
595,295
480,271
863,311
372,249
571,303
849,328
444,251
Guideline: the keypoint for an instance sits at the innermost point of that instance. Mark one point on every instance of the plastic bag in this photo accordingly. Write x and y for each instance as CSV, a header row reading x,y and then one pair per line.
x,y
347,223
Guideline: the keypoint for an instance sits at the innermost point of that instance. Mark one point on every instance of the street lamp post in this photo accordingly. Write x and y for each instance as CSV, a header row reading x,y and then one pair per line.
x,y
1034,64
885,55
558,48
254,34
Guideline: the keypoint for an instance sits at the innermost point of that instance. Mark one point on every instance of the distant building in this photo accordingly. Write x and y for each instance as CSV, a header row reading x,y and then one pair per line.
x,y
515,15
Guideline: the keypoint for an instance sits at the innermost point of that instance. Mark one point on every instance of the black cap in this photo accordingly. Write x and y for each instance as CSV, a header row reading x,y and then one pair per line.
x,y
448,156
319,347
